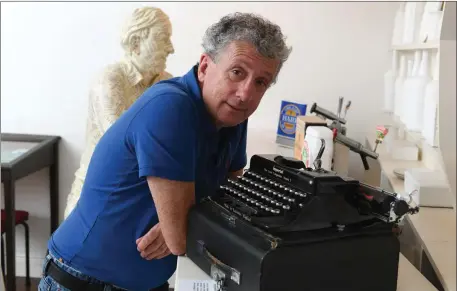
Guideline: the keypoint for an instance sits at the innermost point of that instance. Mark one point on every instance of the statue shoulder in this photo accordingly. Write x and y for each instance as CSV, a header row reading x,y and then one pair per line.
x,y
165,76
109,83
112,73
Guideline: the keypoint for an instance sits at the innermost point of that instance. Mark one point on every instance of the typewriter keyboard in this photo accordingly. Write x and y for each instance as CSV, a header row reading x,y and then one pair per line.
x,y
261,196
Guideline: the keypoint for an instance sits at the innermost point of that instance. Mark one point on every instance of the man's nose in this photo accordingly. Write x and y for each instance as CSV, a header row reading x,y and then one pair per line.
x,y
246,91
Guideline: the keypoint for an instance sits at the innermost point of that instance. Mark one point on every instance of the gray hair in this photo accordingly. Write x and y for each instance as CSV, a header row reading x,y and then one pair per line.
x,y
264,35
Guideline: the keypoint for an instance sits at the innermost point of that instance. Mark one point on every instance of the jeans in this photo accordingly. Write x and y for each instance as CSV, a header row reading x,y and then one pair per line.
x,y
48,283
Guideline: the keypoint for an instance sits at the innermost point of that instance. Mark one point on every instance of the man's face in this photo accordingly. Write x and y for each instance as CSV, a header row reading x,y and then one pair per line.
x,y
155,49
234,84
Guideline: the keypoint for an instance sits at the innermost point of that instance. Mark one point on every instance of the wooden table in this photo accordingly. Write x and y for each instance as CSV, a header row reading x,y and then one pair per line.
x,y
409,278
22,155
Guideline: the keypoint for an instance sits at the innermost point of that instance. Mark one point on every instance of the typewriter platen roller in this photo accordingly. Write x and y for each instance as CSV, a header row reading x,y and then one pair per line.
x,y
281,226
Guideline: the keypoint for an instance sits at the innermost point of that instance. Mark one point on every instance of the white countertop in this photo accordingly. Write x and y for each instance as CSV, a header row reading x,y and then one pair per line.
x,y
409,278
436,227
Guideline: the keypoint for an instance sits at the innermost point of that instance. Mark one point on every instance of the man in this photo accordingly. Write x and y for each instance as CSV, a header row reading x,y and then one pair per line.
x,y
146,44
171,148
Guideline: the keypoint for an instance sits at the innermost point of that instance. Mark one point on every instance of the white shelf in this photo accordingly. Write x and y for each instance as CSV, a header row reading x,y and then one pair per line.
x,y
437,151
417,46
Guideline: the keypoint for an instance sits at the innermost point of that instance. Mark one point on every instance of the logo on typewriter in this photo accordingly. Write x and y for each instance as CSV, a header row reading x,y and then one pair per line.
x,y
288,119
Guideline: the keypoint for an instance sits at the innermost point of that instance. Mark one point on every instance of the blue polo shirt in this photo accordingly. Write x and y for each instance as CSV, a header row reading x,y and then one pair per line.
x,y
166,133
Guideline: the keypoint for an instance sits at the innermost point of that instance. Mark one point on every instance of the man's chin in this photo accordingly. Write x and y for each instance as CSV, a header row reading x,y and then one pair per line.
x,y
229,122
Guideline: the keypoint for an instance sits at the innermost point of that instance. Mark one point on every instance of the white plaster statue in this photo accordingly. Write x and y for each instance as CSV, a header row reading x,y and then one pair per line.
x,y
146,43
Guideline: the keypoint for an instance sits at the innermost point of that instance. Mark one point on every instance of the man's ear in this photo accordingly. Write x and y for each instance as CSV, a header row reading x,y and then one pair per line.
x,y
135,44
205,61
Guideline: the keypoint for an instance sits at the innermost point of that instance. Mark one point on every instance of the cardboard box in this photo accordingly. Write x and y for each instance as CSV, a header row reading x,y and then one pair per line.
x,y
302,123
341,159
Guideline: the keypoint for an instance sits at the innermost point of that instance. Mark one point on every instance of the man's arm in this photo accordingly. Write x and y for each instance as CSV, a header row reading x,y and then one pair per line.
x,y
173,200
240,158
168,165
235,174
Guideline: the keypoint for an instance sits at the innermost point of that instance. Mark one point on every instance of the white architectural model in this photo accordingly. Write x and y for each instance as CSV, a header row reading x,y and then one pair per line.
x,y
146,43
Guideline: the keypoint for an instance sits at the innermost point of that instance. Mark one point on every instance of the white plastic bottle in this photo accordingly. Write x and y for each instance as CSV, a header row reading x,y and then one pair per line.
x,y
430,113
313,143
399,81
389,85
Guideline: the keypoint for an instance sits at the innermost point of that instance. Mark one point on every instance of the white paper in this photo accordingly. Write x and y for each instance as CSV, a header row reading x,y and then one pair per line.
x,y
197,285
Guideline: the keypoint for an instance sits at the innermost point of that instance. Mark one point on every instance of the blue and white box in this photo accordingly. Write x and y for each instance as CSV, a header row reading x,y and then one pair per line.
x,y
287,123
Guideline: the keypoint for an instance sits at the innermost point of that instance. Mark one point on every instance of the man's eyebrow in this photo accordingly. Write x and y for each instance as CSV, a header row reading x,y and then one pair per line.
x,y
270,75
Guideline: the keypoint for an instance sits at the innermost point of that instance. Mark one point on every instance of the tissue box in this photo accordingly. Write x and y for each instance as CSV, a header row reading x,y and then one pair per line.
x,y
403,150
432,187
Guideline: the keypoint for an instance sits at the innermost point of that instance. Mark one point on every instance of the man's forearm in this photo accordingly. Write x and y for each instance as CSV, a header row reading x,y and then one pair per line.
x,y
173,200
234,175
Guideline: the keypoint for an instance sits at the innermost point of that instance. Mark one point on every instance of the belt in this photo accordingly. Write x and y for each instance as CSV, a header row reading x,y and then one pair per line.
x,y
76,284
71,282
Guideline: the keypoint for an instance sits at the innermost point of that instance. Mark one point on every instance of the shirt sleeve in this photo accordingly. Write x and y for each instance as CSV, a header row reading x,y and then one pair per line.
x,y
163,136
239,160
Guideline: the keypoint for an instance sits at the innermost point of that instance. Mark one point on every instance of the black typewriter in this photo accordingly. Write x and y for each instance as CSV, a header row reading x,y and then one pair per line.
x,y
281,226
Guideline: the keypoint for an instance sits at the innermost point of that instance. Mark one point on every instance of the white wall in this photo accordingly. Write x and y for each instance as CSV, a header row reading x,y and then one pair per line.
x,y
50,51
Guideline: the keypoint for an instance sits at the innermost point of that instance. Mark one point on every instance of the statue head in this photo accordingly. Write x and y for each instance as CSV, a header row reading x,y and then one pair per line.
x,y
146,39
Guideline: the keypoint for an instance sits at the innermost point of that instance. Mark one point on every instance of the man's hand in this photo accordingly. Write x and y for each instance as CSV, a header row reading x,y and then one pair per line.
x,y
152,245
173,199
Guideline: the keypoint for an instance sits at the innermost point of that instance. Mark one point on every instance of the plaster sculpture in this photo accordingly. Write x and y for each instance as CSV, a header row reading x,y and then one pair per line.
x,y
146,44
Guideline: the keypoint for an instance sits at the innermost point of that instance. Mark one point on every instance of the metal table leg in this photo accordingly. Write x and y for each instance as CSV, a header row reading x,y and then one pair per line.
x,y
54,190
10,228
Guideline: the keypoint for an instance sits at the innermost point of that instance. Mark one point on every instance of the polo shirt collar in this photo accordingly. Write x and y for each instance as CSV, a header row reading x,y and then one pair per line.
x,y
191,81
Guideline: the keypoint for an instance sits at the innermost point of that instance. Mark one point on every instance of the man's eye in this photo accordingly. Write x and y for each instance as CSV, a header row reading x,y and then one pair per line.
x,y
236,74
262,83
